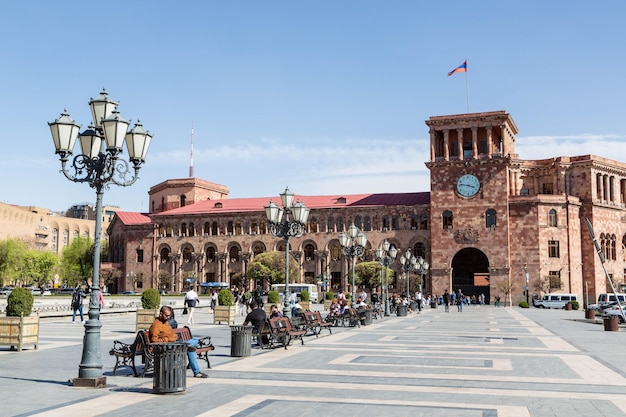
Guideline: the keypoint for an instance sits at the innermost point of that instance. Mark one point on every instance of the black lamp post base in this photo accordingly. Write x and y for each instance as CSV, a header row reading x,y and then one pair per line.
x,y
98,382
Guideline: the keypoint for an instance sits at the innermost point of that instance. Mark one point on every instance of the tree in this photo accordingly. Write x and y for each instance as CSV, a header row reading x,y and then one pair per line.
x,y
367,274
77,263
270,267
40,266
12,253
506,287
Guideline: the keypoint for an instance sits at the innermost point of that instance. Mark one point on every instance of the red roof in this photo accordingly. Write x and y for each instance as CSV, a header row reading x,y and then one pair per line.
x,y
238,205
131,217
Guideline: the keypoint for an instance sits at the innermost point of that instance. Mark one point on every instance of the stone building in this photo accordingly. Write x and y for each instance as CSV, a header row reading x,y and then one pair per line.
x,y
492,223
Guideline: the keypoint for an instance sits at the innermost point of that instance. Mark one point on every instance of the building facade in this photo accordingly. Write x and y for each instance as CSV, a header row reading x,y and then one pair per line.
x,y
491,224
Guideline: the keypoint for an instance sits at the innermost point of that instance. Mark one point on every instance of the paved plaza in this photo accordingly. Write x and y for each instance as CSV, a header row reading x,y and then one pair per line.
x,y
485,361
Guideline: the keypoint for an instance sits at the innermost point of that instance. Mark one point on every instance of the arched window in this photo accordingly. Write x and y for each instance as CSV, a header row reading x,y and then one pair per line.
x,y
187,255
358,223
313,225
613,248
552,219
330,224
238,228
210,254
447,219
230,228
183,229
414,222
335,252
258,248
309,252
165,255
490,218
367,224
214,229
207,228
419,250
233,254
395,222
183,198
386,223
340,224
424,222
191,230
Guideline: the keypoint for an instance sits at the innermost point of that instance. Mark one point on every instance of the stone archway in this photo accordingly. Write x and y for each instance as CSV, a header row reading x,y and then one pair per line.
x,y
470,269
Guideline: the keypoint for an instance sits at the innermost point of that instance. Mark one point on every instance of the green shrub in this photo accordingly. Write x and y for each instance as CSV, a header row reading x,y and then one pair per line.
x,y
348,296
273,297
330,295
20,302
305,296
575,305
150,299
225,297
523,304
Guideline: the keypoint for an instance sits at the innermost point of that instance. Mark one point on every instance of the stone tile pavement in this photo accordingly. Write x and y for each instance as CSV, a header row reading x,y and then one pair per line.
x,y
485,361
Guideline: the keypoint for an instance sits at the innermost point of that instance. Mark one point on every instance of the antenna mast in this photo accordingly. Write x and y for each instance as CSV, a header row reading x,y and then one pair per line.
x,y
191,154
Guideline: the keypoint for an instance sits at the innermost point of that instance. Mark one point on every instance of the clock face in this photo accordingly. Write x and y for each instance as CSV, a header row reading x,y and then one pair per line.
x,y
468,185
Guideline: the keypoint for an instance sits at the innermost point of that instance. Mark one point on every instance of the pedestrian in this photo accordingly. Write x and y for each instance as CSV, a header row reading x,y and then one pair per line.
x,y
213,300
446,301
191,300
418,300
77,304
460,299
241,303
100,300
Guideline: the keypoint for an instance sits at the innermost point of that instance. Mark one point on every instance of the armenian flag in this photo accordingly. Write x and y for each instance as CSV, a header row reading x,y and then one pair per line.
x,y
460,68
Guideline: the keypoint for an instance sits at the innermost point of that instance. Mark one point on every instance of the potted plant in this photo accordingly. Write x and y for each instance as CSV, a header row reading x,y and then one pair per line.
x,y
225,308
150,301
328,299
305,300
18,328
573,305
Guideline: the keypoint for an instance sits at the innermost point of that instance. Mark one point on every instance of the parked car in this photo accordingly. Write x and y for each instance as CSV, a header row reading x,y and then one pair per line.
x,y
128,293
35,291
5,290
614,311
554,300
606,300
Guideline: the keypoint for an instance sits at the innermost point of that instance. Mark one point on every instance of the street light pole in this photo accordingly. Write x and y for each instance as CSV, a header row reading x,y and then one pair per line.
x,y
409,263
281,226
98,165
386,254
353,245
525,268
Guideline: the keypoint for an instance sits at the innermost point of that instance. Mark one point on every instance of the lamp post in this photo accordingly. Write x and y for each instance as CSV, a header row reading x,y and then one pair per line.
x,y
386,254
99,165
421,267
409,263
353,245
281,226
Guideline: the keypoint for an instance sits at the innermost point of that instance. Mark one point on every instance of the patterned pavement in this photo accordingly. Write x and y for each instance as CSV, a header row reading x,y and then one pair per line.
x,y
485,361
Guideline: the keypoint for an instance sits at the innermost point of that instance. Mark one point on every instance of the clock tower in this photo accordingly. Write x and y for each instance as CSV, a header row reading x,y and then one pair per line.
x,y
471,171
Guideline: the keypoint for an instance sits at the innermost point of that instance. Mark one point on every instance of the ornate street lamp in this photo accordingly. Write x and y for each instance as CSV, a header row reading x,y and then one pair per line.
x,y
409,263
281,226
386,254
421,267
353,245
99,165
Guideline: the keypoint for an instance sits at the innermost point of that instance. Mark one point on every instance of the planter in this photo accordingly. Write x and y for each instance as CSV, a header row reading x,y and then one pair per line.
x,y
19,331
224,314
327,304
611,324
590,314
145,318
306,305
568,306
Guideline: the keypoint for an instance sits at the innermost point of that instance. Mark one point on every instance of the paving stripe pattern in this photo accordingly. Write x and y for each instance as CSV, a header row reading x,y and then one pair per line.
x,y
485,361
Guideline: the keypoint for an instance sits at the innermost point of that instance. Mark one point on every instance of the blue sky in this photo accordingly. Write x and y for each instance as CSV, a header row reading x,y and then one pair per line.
x,y
327,97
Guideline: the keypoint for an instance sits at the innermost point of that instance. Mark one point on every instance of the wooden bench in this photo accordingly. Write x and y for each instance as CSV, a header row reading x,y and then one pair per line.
x,y
351,318
314,323
125,353
204,343
270,336
283,325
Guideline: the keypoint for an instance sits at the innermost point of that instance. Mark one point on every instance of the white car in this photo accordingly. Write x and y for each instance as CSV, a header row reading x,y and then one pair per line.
x,y
615,311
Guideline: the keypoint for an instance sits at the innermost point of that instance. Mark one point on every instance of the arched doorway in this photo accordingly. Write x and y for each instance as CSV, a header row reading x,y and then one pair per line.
x,y
470,272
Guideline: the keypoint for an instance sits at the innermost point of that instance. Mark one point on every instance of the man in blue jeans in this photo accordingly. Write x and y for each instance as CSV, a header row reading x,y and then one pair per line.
x,y
161,331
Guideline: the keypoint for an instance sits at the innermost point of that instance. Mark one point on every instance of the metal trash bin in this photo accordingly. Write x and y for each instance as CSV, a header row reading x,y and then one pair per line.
x,y
367,316
240,341
401,310
170,367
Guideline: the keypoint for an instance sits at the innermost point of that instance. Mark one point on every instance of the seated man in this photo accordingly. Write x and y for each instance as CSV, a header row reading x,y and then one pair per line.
x,y
275,312
161,331
256,317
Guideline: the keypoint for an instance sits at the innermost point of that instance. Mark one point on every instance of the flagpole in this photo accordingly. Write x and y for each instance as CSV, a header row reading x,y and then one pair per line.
x,y
466,86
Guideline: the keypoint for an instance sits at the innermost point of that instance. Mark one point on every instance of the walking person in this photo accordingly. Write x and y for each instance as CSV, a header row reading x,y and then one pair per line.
x,y
191,300
446,301
77,304
460,299
213,300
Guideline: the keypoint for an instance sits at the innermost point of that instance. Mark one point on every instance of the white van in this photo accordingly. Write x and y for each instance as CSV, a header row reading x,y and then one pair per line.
x,y
555,300
298,288
606,299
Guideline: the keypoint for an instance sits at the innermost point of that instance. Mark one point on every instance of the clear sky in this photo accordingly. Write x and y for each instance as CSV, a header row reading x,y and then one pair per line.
x,y
326,97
